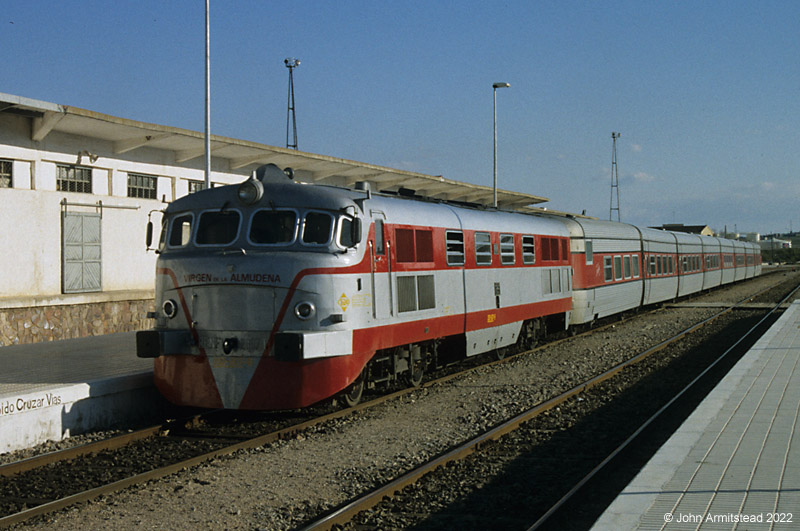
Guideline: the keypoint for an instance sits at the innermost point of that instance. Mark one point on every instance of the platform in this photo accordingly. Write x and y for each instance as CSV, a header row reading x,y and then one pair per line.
x,y
735,462
49,391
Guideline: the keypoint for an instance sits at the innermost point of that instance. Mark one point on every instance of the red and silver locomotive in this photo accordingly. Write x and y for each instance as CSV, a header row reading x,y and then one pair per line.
x,y
275,295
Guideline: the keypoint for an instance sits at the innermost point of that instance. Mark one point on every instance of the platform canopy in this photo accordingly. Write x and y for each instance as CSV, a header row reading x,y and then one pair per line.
x,y
242,156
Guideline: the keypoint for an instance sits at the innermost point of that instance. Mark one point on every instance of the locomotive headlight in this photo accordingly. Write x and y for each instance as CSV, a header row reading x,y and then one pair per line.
x,y
170,308
250,191
305,310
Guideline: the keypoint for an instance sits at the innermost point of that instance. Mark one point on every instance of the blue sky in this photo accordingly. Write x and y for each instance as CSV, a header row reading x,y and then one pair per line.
x,y
706,94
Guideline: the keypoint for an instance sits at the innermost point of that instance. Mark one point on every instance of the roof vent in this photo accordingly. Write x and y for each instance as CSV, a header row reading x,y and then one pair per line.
x,y
363,186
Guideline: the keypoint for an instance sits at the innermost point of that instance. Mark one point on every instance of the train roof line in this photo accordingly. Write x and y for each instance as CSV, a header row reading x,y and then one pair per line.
x,y
244,156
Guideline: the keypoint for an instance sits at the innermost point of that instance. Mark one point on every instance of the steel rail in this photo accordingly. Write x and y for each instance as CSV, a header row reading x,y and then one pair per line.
x,y
121,440
655,416
346,512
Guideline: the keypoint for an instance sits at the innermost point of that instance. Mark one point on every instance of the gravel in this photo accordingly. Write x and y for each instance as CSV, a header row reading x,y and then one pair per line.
x,y
281,485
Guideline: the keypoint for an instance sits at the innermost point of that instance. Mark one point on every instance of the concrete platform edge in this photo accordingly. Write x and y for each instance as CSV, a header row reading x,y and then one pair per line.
x,y
63,410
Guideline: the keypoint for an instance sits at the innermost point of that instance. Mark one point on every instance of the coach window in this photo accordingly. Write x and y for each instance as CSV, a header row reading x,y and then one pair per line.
x,y
454,241
273,227
626,266
589,252
658,265
528,250
608,269
483,248
636,266
617,268
181,231
317,228
507,249
670,263
652,265
664,269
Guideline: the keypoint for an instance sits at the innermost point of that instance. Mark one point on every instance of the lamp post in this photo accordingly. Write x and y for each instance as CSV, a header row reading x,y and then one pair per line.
x,y
496,86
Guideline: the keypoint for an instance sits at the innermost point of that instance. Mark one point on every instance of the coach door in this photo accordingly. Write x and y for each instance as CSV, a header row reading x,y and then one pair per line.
x,y
380,269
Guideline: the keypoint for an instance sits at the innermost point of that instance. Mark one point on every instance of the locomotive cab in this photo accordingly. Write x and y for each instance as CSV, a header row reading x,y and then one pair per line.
x,y
244,288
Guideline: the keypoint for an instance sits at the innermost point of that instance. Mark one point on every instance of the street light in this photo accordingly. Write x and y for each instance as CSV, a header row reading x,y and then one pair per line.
x,y
496,86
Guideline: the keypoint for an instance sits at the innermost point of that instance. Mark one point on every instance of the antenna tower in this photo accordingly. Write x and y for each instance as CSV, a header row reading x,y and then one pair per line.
x,y
291,119
614,178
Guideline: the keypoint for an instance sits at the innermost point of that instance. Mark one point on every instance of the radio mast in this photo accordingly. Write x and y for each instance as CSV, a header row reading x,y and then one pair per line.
x,y
614,178
291,63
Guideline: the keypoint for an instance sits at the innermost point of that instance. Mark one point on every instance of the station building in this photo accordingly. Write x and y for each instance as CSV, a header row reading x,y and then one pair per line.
x,y
77,188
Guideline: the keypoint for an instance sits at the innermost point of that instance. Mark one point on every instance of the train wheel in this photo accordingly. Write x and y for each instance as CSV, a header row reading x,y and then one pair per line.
x,y
415,375
352,395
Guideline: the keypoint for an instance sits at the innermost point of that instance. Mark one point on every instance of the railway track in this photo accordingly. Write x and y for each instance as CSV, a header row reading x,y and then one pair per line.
x,y
490,473
35,502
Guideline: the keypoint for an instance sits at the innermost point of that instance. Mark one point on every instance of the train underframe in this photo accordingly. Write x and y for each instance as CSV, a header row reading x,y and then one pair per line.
x,y
406,365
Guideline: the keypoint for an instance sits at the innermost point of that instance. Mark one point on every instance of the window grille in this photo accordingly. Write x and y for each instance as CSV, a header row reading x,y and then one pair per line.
x,y
426,292
142,186
6,177
406,294
74,179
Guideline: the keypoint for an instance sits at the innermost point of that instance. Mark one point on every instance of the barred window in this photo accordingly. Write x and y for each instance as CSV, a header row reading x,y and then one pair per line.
x,y
6,177
142,186
74,179
196,186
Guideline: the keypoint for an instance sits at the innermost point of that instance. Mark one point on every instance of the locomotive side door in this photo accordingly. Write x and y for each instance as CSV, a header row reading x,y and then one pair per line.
x,y
380,269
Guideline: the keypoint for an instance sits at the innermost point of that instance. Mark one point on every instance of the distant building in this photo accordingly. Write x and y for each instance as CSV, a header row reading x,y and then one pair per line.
x,y
772,244
703,230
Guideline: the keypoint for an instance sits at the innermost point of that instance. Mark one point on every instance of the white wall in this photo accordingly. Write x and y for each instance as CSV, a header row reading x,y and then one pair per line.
x,y
30,215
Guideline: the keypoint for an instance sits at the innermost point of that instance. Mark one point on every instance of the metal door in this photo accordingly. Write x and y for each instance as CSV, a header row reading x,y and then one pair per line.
x,y
81,252
381,269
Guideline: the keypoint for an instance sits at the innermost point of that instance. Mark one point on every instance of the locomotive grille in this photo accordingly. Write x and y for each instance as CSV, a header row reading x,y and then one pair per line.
x,y
427,295
406,294
415,293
